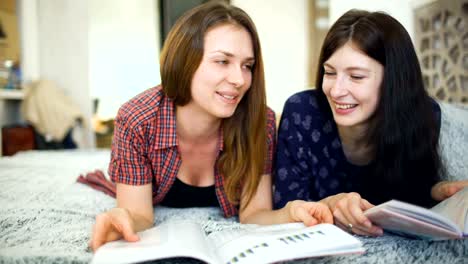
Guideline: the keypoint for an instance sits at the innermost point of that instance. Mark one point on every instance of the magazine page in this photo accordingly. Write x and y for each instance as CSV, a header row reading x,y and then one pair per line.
x,y
455,208
423,214
282,242
405,218
405,225
171,239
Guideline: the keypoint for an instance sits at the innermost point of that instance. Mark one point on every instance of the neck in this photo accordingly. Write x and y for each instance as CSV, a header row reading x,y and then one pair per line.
x,y
353,136
355,144
194,126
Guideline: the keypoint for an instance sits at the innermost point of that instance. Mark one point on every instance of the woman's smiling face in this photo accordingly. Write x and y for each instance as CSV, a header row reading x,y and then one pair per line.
x,y
352,82
225,72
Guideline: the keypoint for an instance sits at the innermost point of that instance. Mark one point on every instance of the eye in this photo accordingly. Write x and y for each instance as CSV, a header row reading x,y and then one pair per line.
x,y
222,62
248,66
357,77
329,73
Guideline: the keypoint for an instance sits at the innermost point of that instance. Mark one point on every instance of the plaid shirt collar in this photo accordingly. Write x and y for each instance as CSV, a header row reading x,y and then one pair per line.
x,y
166,125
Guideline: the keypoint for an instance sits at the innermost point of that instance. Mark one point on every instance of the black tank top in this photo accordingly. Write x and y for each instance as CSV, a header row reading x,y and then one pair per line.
x,y
182,195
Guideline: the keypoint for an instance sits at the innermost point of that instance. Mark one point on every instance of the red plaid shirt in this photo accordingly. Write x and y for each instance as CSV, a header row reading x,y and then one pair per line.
x,y
144,148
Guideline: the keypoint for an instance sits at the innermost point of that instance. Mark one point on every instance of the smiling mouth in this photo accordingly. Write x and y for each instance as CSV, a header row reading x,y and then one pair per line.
x,y
345,106
227,97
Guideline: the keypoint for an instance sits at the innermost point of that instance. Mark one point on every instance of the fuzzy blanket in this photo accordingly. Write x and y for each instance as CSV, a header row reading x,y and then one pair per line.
x,y
46,217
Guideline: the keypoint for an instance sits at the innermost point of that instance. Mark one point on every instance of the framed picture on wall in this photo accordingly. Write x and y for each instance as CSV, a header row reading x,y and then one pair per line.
x,y
171,10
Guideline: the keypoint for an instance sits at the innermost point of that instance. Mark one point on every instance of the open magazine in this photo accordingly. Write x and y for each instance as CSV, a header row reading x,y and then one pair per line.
x,y
251,245
446,220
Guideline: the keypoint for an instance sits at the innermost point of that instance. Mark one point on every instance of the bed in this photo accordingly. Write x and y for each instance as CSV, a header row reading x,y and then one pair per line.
x,y
46,216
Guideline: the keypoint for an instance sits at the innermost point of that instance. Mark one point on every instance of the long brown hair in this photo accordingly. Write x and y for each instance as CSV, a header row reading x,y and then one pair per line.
x,y
242,161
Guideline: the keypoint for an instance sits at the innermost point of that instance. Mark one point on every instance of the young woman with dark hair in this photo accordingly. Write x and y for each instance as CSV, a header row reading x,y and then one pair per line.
x,y
369,130
205,137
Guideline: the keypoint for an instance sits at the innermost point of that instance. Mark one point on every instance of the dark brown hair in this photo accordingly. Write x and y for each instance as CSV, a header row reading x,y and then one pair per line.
x,y
243,158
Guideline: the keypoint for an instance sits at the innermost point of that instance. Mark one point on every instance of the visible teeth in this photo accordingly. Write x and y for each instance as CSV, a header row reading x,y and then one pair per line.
x,y
346,106
228,96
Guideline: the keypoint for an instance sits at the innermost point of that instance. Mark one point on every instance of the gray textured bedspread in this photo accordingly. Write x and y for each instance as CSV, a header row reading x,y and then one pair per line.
x,y
45,217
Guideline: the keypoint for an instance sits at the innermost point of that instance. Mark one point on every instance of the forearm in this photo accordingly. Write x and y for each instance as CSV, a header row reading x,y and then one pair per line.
x,y
267,217
309,213
136,202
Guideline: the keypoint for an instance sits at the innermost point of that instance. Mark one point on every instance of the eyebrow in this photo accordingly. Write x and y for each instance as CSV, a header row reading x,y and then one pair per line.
x,y
349,68
229,54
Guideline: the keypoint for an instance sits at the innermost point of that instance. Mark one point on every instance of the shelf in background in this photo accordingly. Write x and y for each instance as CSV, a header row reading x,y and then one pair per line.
x,y
11,94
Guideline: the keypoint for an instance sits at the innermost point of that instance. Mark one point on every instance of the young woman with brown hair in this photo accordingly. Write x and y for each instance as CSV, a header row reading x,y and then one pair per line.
x,y
205,137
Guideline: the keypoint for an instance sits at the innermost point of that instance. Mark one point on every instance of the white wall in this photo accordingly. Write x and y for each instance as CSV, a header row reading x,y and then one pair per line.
x,y
123,51
29,39
282,27
402,10
62,51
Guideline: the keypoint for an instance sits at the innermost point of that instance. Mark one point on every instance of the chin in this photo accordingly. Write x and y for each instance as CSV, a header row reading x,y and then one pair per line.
x,y
225,114
225,111
345,122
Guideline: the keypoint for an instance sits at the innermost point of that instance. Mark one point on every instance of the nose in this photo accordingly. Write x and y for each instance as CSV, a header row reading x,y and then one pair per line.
x,y
236,76
338,87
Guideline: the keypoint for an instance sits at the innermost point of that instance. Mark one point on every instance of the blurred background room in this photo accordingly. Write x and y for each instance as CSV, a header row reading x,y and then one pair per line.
x,y
66,66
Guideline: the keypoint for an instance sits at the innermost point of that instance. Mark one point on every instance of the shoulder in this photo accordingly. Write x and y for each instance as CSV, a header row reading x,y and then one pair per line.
x,y
271,125
142,108
271,117
302,111
304,100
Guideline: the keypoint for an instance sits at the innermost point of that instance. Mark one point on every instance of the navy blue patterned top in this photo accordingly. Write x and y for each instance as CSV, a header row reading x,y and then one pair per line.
x,y
310,163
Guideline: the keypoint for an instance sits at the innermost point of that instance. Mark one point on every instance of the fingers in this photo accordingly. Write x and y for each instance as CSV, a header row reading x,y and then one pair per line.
x,y
124,227
450,190
437,191
320,211
366,205
355,230
303,215
456,186
446,189
349,211
111,226
310,213
100,231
